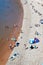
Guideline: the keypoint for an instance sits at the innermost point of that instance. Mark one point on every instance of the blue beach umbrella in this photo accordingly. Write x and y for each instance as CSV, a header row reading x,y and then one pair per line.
x,y
31,41
36,40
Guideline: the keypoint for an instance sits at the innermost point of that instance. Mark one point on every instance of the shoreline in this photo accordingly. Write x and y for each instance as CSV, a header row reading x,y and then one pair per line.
x,y
5,43
29,56
25,29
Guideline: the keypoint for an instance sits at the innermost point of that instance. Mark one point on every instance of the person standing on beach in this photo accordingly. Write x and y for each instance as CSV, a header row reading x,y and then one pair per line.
x,y
10,46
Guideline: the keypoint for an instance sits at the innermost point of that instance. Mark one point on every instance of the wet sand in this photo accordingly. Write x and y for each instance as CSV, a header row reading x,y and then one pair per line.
x,y
5,51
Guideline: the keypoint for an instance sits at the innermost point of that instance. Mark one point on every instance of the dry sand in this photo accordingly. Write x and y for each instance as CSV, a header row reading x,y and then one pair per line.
x,y
5,51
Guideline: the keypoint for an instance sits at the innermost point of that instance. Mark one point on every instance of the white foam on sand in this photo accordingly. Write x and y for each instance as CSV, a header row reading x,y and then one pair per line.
x,y
34,56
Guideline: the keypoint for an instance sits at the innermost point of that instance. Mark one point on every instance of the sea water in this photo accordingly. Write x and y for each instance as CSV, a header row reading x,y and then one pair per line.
x,y
9,15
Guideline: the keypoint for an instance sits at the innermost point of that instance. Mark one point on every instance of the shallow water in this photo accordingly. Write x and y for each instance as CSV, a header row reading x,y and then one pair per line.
x,y
9,15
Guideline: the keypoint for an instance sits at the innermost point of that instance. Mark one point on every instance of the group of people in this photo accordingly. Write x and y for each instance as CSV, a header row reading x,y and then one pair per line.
x,y
36,11
10,46
15,45
31,47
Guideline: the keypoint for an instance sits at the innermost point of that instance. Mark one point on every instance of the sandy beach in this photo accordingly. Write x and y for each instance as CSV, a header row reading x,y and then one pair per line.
x,y
33,13
5,51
